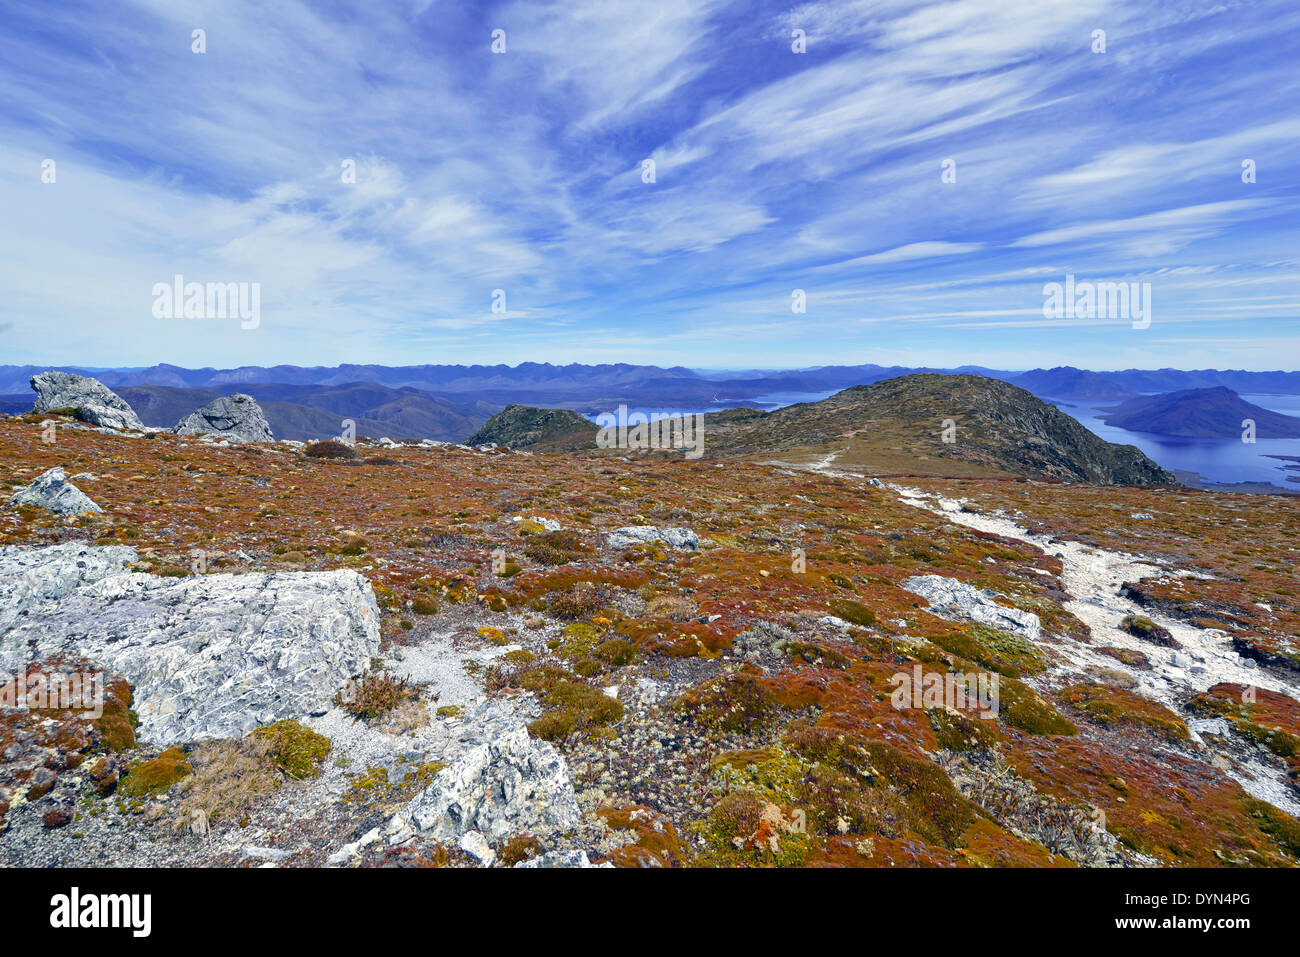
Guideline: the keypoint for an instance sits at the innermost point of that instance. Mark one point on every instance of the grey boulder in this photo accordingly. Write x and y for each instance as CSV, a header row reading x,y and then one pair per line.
x,y
91,400
208,656
235,418
953,599
53,491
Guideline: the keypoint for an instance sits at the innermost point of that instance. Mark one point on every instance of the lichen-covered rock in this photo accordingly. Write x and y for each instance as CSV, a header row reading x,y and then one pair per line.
x,y
92,401
953,599
209,656
53,491
630,535
508,785
235,418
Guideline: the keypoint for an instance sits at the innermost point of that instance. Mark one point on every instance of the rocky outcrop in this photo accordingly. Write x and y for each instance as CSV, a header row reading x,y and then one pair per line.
x,y
88,399
235,418
53,491
953,599
682,538
525,427
507,785
208,656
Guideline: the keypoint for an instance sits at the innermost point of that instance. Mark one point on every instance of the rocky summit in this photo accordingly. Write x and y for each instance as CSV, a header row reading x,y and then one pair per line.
x,y
233,418
87,399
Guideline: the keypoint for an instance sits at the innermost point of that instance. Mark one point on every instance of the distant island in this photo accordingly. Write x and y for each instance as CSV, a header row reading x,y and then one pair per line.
x,y
1216,413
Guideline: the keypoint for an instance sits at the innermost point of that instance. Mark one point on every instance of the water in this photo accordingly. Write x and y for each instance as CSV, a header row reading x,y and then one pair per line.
x,y
1217,460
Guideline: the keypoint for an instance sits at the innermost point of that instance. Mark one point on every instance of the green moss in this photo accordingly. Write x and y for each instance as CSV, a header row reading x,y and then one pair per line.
x,y
1021,707
852,611
954,731
150,778
573,705
1108,706
993,648
616,651
294,749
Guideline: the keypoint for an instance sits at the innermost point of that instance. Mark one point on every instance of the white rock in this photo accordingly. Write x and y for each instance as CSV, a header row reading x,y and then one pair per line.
x,y
208,656
561,859
680,538
235,418
476,846
93,401
506,785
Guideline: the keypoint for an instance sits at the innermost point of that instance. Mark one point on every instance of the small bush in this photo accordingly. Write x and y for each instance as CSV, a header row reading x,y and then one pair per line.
x,y
329,449
375,695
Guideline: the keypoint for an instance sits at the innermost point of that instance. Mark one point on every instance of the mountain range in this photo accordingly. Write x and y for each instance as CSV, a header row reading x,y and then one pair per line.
x,y
450,402
593,387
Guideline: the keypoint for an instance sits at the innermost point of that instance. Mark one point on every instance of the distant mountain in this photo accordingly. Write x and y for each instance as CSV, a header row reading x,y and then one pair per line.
x,y
317,412
1067,382
541,430
1200,414
898,425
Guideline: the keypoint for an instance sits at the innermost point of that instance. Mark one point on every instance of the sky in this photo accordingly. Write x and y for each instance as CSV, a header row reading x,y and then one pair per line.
x,y
919,172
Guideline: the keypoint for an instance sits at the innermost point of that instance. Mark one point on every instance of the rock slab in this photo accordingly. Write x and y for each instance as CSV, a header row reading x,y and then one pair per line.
x,y
681,538
508,785
207,656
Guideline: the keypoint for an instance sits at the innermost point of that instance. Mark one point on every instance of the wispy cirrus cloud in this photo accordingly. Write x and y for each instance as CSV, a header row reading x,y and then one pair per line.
x,y
522,171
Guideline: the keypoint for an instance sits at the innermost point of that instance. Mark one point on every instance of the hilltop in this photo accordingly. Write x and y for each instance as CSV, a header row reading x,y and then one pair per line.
x,y
898,426
541,430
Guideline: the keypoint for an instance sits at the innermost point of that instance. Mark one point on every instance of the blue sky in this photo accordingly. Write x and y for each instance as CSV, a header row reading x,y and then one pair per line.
x,y
775,171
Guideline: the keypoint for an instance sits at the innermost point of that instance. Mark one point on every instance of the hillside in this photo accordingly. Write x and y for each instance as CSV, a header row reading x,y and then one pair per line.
x,y
1215,413
895,426
655,705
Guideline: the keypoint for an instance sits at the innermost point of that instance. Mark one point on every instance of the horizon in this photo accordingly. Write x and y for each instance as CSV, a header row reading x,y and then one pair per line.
x,y
921,172
703,372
